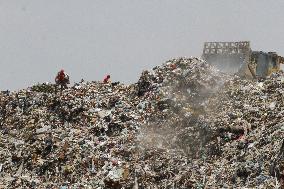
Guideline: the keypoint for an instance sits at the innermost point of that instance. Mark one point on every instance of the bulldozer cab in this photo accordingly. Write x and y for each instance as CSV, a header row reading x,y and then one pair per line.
x,y
267,63
238,58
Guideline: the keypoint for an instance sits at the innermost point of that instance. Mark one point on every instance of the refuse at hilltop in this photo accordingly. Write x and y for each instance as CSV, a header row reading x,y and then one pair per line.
x,y
182,125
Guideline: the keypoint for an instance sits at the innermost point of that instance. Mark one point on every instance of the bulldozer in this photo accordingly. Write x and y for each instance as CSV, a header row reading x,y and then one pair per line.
x,y
238,58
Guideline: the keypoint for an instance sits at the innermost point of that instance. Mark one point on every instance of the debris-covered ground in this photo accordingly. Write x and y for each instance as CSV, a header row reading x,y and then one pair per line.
x,y
182,125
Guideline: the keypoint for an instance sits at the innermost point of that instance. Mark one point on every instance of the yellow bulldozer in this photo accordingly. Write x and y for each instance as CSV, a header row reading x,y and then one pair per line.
x,y
238,58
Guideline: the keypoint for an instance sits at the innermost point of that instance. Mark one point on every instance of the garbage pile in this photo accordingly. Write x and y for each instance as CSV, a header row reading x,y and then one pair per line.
x,y
182,125
247,119
82,137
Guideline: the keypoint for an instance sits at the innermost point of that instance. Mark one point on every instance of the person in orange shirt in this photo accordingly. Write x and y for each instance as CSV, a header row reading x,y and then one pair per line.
x,y
62,79
107,79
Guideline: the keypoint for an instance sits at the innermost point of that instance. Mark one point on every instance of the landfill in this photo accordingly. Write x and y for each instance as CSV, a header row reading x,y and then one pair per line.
x,y
183,124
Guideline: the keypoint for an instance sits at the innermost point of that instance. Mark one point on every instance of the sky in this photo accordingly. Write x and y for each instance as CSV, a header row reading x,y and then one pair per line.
x,y
92,38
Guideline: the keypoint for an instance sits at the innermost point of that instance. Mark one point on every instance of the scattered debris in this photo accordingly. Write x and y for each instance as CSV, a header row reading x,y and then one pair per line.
x,y
184,125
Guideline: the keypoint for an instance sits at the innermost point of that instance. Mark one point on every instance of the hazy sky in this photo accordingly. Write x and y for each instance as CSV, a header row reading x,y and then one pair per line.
x,y
91,38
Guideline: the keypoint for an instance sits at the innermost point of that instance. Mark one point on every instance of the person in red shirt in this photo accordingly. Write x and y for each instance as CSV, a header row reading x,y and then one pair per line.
x,y
62,79
107,79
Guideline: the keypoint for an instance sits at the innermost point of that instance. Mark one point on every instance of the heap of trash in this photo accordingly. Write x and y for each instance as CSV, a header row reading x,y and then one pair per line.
x,y
248,122
184,124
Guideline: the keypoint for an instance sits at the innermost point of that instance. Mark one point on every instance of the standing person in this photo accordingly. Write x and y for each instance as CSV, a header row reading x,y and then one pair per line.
x,y
62,79
107,79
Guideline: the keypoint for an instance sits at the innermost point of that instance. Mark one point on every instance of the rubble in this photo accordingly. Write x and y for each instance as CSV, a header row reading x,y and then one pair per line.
x,y
184,124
